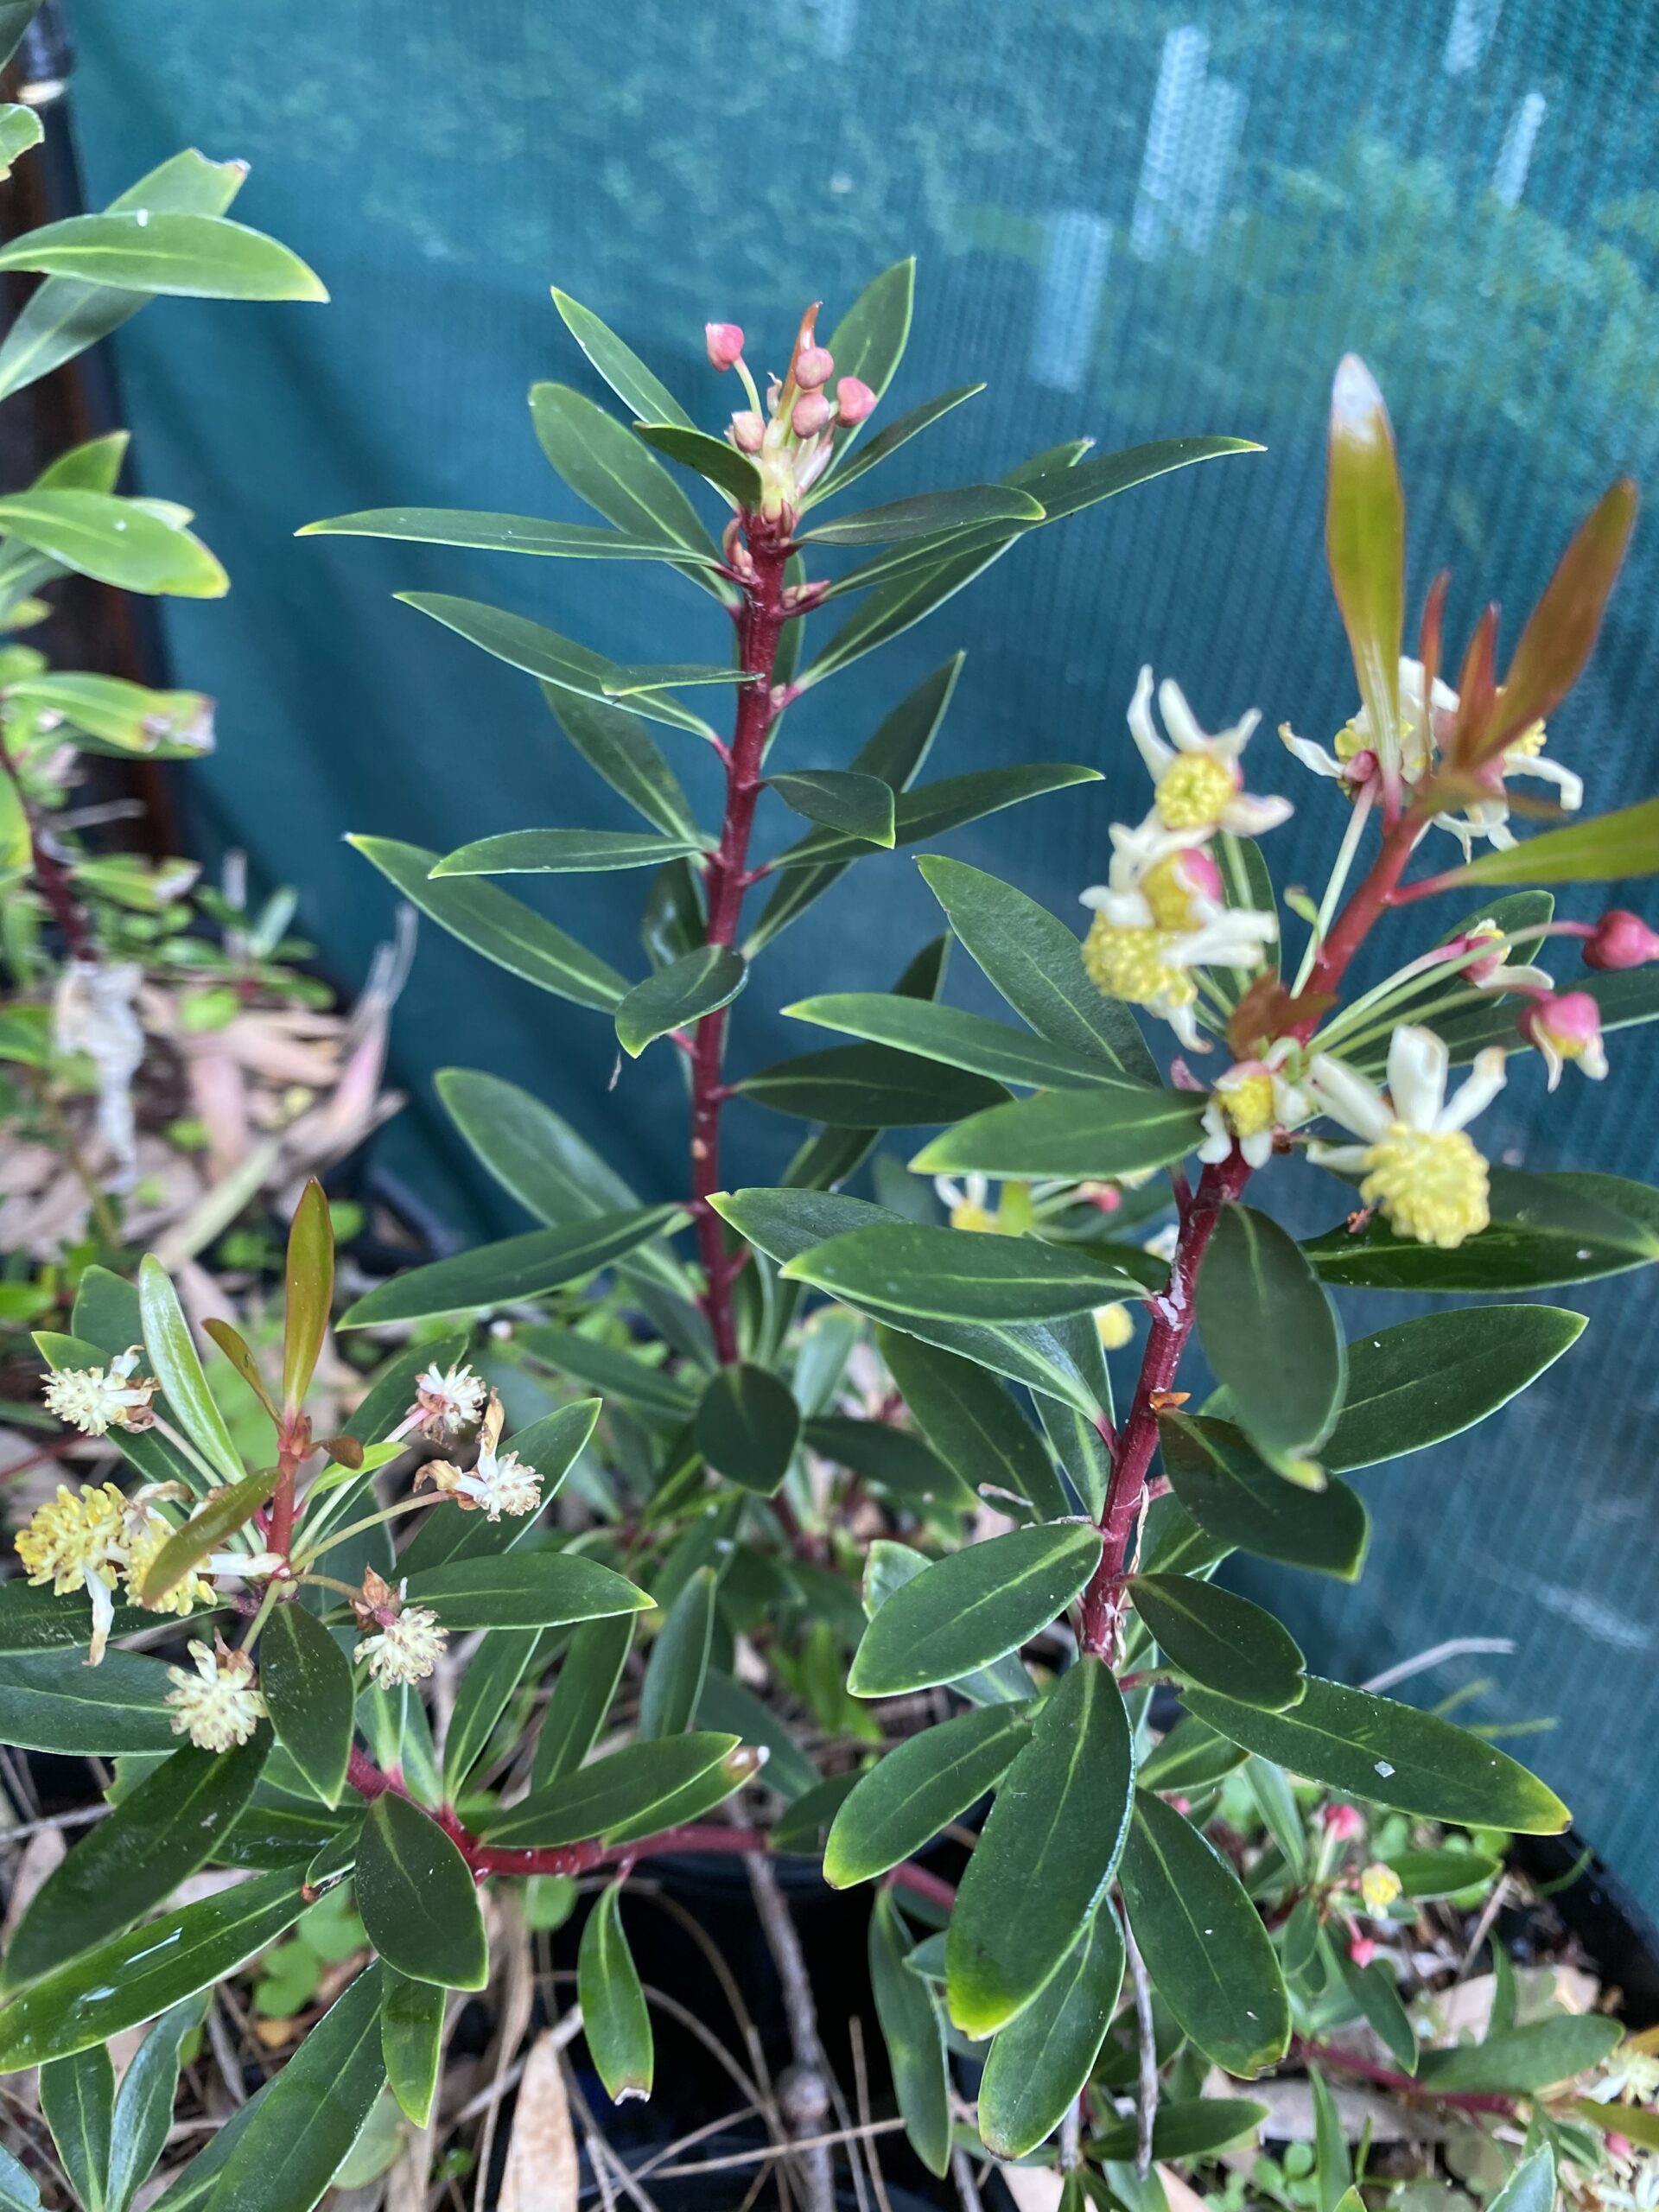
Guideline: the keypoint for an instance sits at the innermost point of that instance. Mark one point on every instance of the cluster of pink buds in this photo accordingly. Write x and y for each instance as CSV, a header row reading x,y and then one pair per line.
x,y
792,437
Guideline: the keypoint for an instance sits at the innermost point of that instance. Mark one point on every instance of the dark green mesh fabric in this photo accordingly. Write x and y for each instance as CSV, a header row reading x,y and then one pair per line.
x,y
1133,220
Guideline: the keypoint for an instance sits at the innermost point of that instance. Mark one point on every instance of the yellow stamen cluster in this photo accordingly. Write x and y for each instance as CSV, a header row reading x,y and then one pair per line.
x,y
220,1705
1248,1107
71,1537
405,1650
977,1218
1431,1185
184,1596
1379,1885
1193,792
1115,1325
1129,965
1167,891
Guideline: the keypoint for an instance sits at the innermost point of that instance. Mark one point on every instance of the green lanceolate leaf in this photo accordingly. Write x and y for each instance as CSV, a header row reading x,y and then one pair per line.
x,y
867,1086
291,2146
1373,1989
970,1607
1531,2187
1270,1333
492,1676
588,1675
174,1360
78,2098
1206,1950
961,1040
717,462
144,2108
1036,962
1365,544
897,433
976,1427
888,1567
895,1460
309,1282
617,746
842,798
1442,1873
211,1525
1121,1129
198,257
1239,1499
604,463
411,2041
1515,2061
613,2015
949,1275
948,803
634,384
1391,1753
499,926
1415,1385
493,533
747,1427
726,1704
1545,1230
539,1590
971,506
33,1619
20,129
141,1973
1601,850
564,852
169,1826
517,1268
417,1897
631,1793
682,993
1040,2063
1046,1854
897,1807
306,1680
1220,1640
679,1660
116,541
1186,2127
912,2030
869,341
52,1701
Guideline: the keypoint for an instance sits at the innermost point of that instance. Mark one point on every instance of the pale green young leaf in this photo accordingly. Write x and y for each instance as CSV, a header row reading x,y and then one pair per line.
x,y
198,257
121,542
174,1361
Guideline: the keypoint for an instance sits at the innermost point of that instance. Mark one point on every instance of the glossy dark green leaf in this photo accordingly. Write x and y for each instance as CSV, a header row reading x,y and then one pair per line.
x,y
945,805
1515,2061
518,1267
199,256
289,2151
976,1427
970,506
613,2015
888,1566
845,800
679,1660
950,1274
1392,1754
1046,1855
564,852
630,1793
1416,1384
496,533
725,1704
1373,1989
588,1675
1122,1130
886,441
895,754
144,2107
1545,1231
970,1607
141,1974
959,1039
867,1086
1205,1947
168,1826
417,1897
634,384
617,746
411,2041
1241,1502
535,1590
898,1805
501,927
1186,2127
913,2032
1270,1333
1040,2063
747,1426
54,1701
1192,1758
34,1619
604,463
78,2098
306,1680
1437,1874
493,1673
607,1369
896,1461
715,460
1217,1638
679,994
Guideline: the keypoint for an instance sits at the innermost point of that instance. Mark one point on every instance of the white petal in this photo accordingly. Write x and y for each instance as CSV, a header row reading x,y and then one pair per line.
x,y
1310,754
1184,1022
1345,1158
1216,1147
1346,1095
1549,772
1594,1060
1250,814
103,1616
1152,748
1257,1149
1485,1079
1180,719
1418,1065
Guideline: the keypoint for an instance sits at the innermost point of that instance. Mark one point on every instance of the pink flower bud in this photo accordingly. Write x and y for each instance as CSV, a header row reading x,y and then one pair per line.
x,y
1621,940
814,364
854,400
1182,1805
1566,1026
1362,1950
1344,1822
725,343
809,414
748,431
1619,2146
1362,767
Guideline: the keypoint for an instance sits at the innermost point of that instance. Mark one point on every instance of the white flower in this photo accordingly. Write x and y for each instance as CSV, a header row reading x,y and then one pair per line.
x,y
969,1202
446,1403
1159,915
1198,779
95,1402
405,1648
497,1483
1252,1104
1420,1166
219,1705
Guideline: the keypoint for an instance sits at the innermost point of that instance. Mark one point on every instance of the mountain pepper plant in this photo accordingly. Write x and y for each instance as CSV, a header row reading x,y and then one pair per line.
x,y
858,1533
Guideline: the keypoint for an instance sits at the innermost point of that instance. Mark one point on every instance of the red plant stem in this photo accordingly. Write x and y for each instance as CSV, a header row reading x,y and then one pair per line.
x,y
1346,2062
295,1443
1349,931
760,626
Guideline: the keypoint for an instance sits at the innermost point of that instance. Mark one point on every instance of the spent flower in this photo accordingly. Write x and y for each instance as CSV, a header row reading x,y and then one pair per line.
x,y
96,1400
220,1704
497,1483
